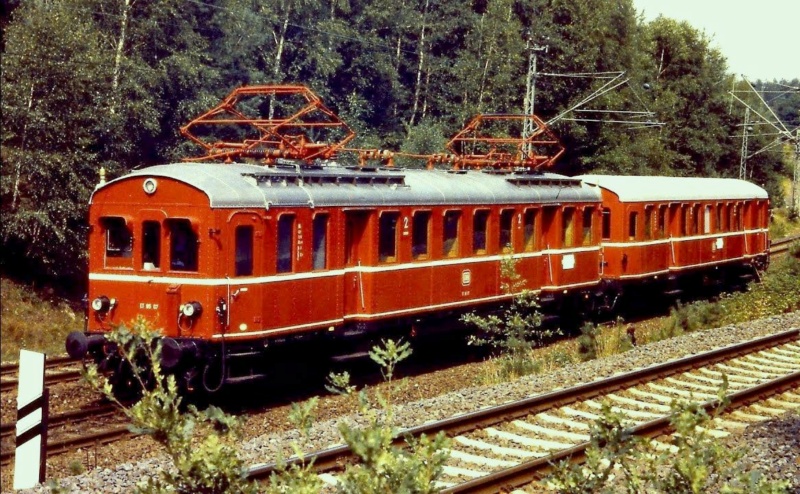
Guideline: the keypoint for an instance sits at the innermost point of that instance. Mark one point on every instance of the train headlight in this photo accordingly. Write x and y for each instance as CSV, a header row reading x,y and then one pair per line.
x,y
101,304
192,309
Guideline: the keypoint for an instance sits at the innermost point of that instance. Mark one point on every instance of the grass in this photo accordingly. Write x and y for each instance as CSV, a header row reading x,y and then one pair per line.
x,y
31,322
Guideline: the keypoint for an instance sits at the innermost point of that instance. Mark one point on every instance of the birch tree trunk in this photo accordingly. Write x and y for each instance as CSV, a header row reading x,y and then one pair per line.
x,y
421,62
18,168
118,56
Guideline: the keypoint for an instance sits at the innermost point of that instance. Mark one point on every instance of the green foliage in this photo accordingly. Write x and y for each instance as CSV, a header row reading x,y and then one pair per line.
x,y
384,467
587,341
697,463
199,443
90,83
515,331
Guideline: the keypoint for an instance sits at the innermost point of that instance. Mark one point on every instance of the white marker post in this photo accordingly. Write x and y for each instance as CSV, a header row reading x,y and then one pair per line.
x,y
32,405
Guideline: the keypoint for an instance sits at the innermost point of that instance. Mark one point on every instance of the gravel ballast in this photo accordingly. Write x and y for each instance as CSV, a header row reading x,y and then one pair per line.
x,y
772,446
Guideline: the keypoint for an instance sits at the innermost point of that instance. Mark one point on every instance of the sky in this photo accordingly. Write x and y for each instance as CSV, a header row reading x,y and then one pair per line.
x,y
760,39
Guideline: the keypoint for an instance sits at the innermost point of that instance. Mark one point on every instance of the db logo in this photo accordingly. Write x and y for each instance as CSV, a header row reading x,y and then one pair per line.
x,y
466,277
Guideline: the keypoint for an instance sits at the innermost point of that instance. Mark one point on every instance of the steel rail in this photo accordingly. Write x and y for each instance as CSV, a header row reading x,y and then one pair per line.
x,y
72,416
336,458
70,375
70,444
534,470
50,362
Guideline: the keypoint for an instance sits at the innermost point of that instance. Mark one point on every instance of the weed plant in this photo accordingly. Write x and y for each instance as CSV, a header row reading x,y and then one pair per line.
x,y
514,331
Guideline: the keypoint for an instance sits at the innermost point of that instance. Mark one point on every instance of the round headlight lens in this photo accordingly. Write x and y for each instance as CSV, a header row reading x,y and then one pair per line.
x,y
192,309
101,304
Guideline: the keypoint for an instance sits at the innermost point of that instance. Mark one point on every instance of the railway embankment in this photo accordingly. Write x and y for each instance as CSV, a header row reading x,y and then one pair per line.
x,y
771,446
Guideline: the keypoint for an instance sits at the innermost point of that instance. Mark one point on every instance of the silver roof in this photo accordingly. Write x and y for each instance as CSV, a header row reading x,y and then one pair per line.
x,y
254,186
642,188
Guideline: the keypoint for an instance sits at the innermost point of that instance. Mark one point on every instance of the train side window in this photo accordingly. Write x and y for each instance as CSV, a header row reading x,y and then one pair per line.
x,y
530,229
549,227
151,245
568,227
648,222
662,221
320,242
684,219
720,216
707,219
183,245
480,223
244,251
420,231
506,231
632,219
119,239
606,233
695,219
285,243
737,216
450,233
588,214
387,237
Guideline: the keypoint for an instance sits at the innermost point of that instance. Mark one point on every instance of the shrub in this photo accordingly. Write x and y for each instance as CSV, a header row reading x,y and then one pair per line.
x,y
199,443
515,331
384,467
587,342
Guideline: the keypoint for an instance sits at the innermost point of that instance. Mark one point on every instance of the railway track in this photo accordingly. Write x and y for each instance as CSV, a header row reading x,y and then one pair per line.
x,y
511,445
7,382
781,246
61,442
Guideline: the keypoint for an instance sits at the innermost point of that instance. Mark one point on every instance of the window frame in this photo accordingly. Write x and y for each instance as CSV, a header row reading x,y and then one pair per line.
x,y
325,217
530,239
506,214
485,214
191,258
387,258
280,244
419,256
455,246
248,260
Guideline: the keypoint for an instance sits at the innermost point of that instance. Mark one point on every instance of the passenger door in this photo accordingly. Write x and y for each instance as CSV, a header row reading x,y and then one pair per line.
x,y
356,252
245,238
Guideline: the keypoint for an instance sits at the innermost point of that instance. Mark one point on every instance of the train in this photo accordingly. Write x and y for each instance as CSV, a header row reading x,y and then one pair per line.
x,y
234,262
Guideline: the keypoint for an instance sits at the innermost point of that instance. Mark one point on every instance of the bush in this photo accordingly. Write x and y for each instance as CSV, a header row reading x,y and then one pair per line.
x,y
199,443
516,331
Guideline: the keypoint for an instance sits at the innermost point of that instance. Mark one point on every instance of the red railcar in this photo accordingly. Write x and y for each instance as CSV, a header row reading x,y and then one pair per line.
x,y
676,231
229,260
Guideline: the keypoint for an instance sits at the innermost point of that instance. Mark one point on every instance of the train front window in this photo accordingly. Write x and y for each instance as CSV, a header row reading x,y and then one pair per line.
x,y
244,251
119,239
183,245
151,245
